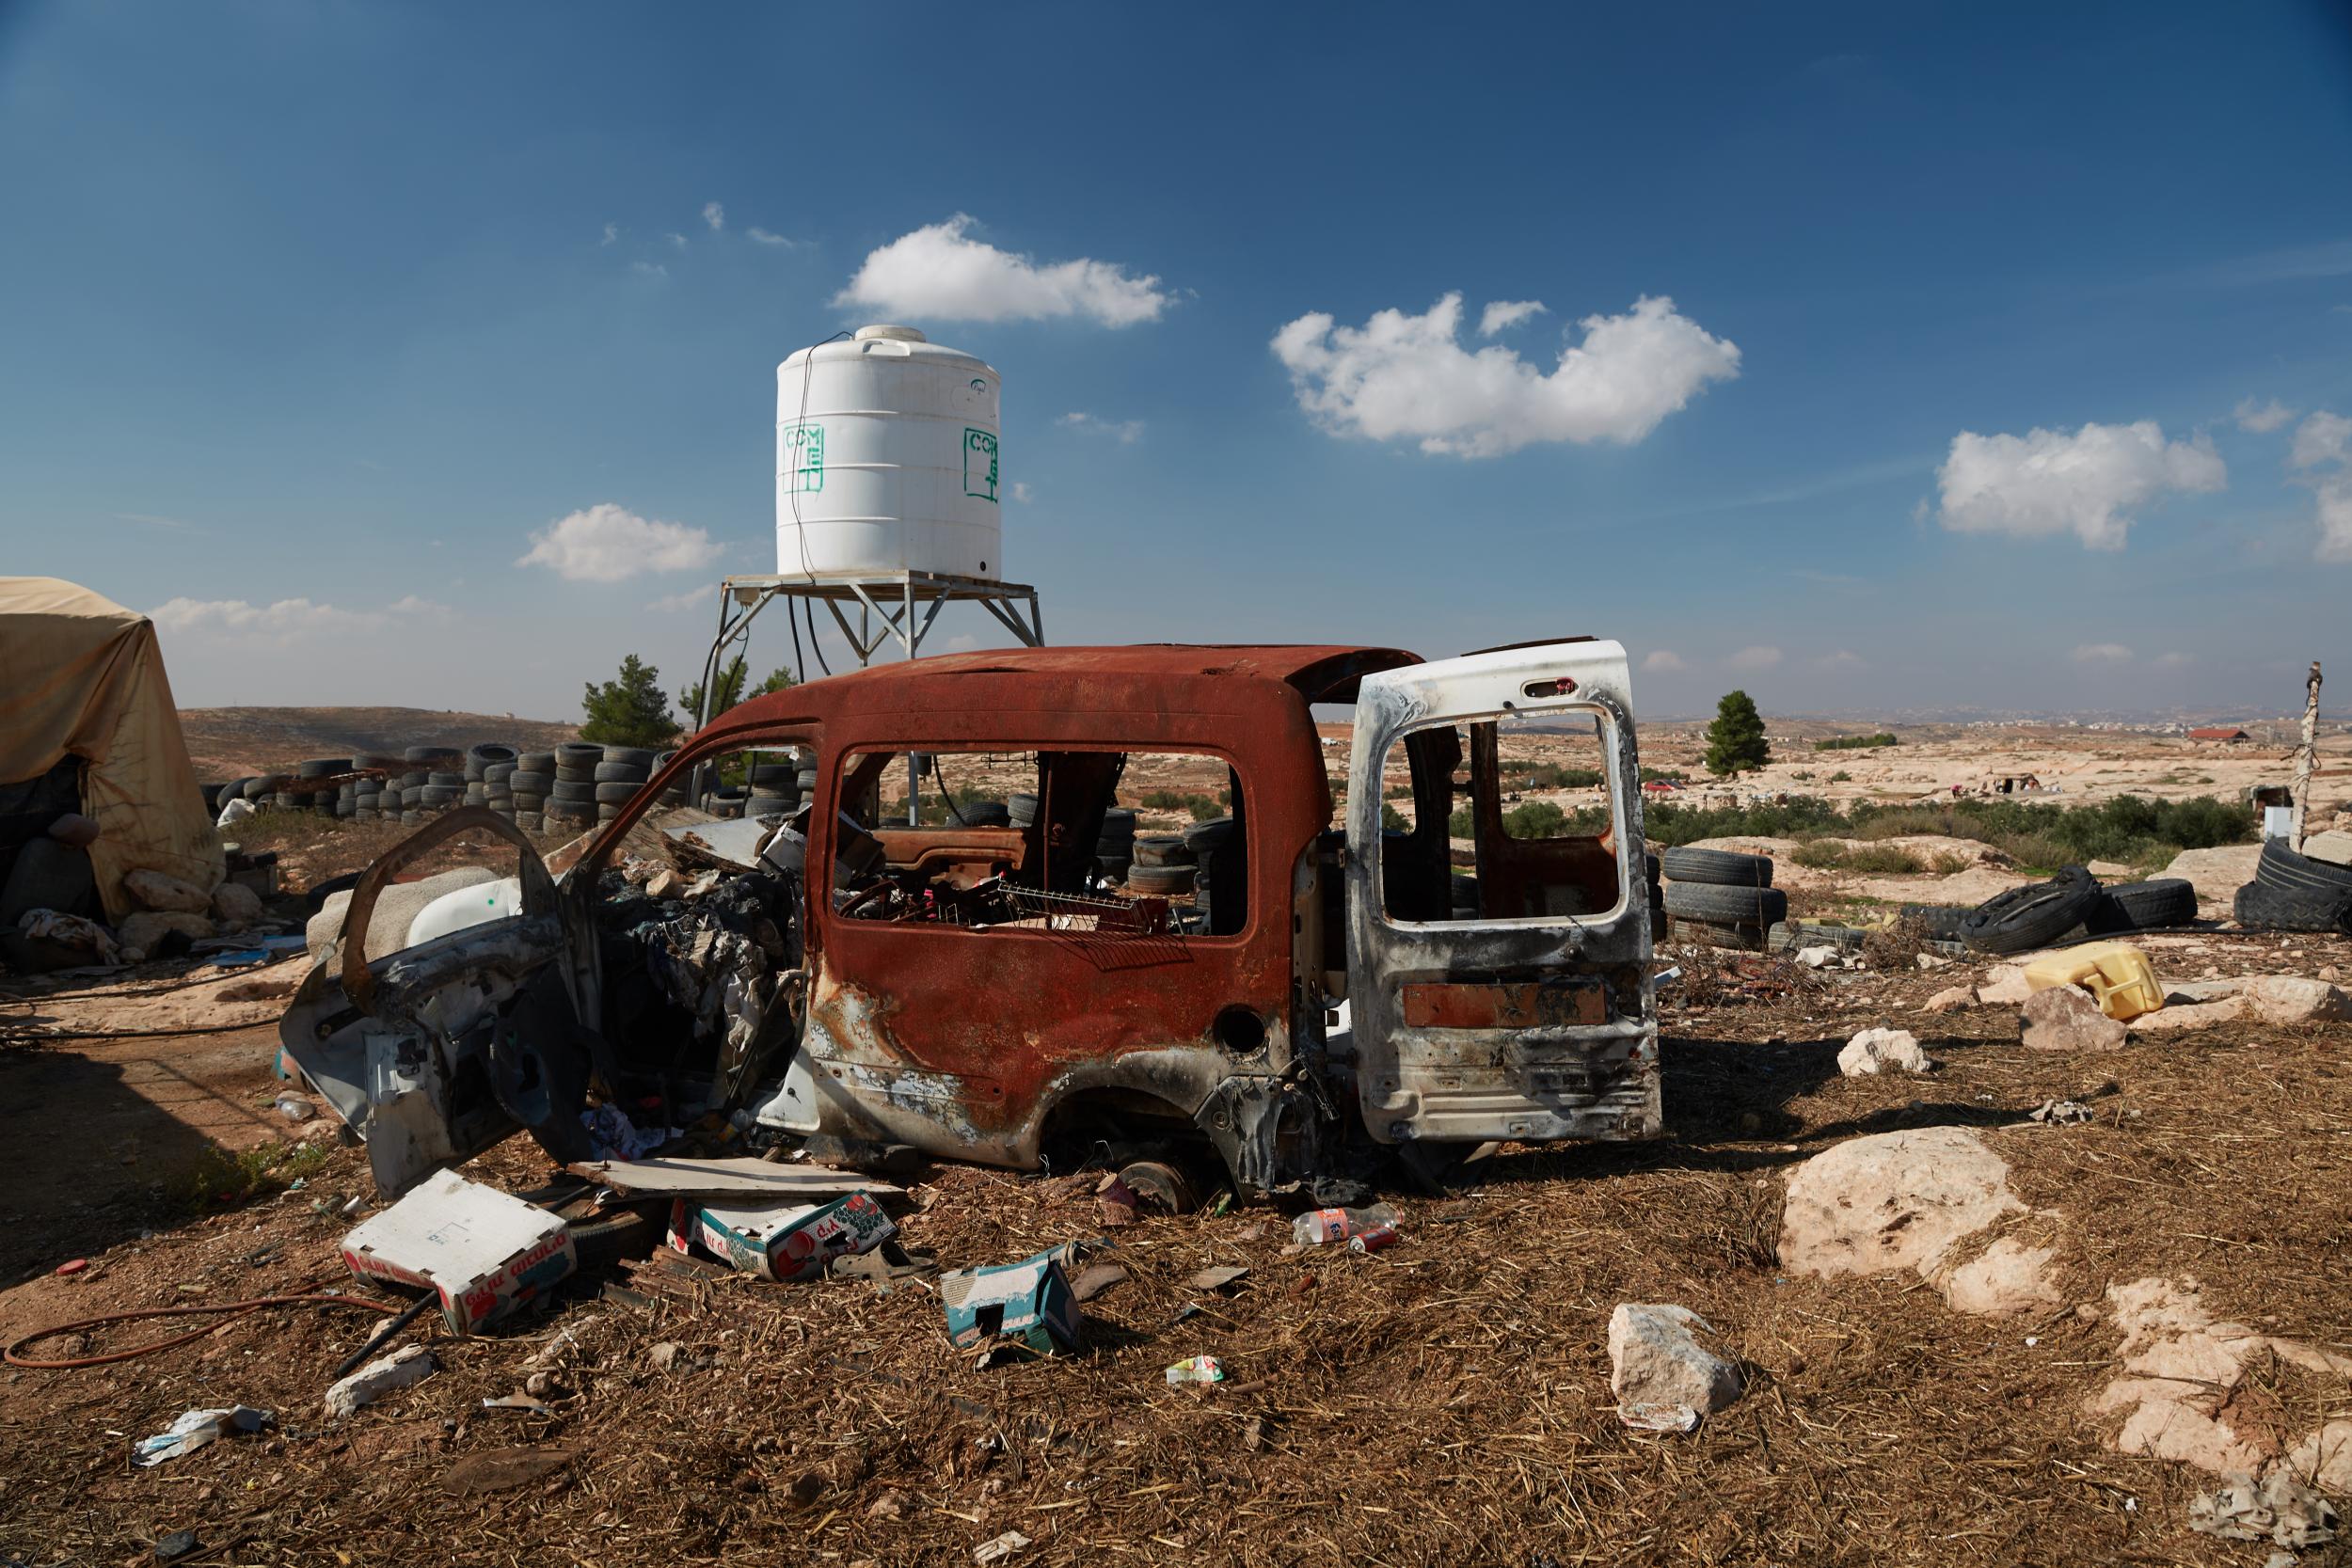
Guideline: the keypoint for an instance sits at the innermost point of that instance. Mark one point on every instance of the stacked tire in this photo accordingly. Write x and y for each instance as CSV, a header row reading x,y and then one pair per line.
x,y
1215,857
619,776
367,798
313,795
481,789
775,789
527,788
2293,891
1114,846
572,799
1718,898
1161,863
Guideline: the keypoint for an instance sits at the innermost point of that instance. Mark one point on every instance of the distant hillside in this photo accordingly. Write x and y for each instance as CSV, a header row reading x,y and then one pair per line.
x,y
231,742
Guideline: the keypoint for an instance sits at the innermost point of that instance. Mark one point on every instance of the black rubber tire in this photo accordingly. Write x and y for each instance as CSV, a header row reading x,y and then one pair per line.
x,y
1938,922
1160,879
1020,807
1119,822
1114,868
423,755
490,751
985,813
319,768
617,793
529,802
497,772
1216,832
260,789
628,756
2155,905
2033,916
1717,867
769,805
616,1236
1718,904
432,795
446,780
530,780
776,775
2262,907
579,753
530,821
535,762
567,793
622,772
2283,869
1161,850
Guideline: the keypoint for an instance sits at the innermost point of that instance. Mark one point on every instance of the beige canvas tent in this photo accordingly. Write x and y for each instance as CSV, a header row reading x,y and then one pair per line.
x,y
84,678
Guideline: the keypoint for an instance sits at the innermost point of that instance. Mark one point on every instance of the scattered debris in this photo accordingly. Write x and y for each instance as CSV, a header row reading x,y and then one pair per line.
x,y
782,1242
378,1378
195,1428
2117,974
1000,1548
741,1178
1097,1279
485,1252
1197,1369
1216,1279
615,1137
1659,1370
1374,1239
2059,1112
1877,1051
503,1469
1029,1303
1319,1225
2280,1509
1115,1203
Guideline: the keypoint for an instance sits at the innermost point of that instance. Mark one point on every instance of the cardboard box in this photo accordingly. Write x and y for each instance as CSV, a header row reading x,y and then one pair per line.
x,y
482,1251
1030,1303
782,1240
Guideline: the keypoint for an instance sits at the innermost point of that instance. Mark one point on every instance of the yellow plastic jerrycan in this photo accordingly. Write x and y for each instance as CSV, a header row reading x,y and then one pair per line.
x,y
2115,972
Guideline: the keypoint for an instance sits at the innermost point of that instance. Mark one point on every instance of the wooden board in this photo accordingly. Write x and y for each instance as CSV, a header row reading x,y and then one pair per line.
x,y
740,1178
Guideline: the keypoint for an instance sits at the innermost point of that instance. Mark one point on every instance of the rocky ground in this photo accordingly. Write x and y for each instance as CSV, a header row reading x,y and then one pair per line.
x,y
1446,1400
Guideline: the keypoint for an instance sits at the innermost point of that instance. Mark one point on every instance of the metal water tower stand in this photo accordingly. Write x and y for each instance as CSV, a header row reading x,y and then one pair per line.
x,y
901,605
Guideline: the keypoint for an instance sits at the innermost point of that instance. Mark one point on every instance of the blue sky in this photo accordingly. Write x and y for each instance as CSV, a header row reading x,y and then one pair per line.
x,y
2007,359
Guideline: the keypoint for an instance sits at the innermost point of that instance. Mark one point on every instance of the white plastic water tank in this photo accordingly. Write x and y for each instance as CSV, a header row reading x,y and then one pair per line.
x,y
886,458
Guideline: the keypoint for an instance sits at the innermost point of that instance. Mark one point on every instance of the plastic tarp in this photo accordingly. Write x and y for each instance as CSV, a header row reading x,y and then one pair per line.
x,y
85,679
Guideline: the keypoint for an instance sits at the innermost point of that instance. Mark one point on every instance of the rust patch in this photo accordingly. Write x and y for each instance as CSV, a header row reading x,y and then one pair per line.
x,y
1532,1005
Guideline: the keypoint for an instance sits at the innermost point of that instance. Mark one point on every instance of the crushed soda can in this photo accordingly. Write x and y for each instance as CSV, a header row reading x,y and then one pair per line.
x,y
1197,1369
1374,1239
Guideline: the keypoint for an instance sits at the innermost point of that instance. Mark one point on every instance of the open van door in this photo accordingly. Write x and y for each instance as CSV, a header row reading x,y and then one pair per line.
x,y
1513,1002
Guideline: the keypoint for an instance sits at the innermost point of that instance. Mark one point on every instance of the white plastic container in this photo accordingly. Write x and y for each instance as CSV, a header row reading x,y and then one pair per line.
x,y
886,459
467,906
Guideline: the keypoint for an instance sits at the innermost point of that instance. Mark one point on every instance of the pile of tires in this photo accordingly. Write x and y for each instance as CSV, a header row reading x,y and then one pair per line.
x,y
1719,898
572,801
1215,853
527,788
2070,907
1114,846
618,775
1161,863
2293,891
489,778
775,789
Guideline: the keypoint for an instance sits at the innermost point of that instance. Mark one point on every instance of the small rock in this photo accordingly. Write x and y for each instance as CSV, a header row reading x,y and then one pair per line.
x,y
1820,956
2326,1457
1950,1001
145,931
2177,1018
665,1355
159,892
2295,999
1876,1051
891,1507
1931,960
2008,1277
1654,1360
172,1547
235,904
2005,986
662,883
2329,972
2064,1018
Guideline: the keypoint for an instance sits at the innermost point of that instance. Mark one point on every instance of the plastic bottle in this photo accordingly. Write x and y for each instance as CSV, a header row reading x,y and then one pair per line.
x,y
1319,1225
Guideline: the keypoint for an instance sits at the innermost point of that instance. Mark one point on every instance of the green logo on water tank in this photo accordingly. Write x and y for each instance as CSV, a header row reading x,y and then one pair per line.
x,y
804,458
979,464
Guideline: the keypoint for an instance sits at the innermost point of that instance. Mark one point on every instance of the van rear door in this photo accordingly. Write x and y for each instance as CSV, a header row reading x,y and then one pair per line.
x,y
1498,962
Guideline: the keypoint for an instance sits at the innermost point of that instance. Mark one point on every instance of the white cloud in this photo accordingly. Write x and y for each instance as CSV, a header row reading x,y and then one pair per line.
x,y
608,544
714,217
1125,432
2048,483
1844,659
417,606
2322,438
1409,377
649,269
2335,520
940,271
2103,653
762,236
1503,314
1666,661
1022,493
1761,657
704,598
612,232
282,620
677,240
2262,419
150,520
2174,660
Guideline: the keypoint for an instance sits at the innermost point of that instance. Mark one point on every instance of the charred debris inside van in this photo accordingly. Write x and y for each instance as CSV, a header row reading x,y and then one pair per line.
x,y
1347,980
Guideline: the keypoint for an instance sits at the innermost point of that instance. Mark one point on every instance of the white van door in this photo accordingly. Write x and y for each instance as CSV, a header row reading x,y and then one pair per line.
x,y
1498,959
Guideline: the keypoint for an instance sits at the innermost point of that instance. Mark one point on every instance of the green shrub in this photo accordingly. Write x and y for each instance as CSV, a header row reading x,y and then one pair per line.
x,y
1855,742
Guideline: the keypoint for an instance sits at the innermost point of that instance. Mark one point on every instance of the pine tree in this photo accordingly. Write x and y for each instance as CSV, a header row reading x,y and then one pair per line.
x,y
730,689
1735,741
631,710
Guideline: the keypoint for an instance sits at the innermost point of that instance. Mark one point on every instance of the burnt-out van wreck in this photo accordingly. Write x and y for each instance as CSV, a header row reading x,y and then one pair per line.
x,y
962,943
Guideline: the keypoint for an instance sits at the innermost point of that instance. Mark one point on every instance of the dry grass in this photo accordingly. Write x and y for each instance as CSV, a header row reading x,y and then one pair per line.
x,y
1441,1402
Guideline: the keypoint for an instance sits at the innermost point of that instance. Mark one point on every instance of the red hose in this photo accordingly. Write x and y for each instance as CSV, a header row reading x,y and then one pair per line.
x,y
210,1309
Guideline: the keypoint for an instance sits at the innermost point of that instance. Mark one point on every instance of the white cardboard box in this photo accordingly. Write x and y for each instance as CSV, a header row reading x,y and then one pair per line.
x,y
483,1251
